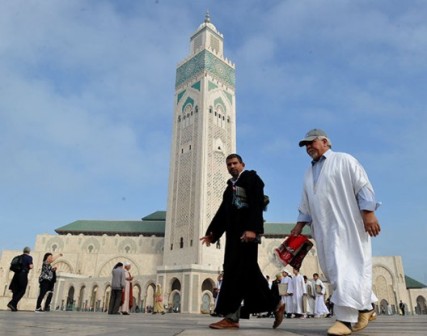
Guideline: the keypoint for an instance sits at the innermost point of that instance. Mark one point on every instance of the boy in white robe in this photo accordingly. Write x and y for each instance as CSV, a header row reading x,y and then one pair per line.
x,y
309,298
338,202
299,291
287,299
320,290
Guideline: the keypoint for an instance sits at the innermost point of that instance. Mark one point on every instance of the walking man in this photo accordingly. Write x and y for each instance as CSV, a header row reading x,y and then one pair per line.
x,y
19,281
118,283
240,217
338,201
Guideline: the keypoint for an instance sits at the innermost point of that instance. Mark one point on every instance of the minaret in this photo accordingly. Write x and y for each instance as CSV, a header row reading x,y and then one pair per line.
x,y
204,133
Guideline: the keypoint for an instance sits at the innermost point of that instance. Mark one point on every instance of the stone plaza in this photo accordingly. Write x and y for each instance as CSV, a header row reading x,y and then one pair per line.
x,y
24,323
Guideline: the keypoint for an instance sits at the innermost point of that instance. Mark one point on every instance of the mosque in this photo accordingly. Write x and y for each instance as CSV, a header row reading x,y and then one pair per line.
x,y
163,247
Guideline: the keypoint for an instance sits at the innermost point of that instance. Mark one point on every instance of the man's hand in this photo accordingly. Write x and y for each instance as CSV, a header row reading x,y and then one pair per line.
x,y
297,228
370,221
207,240
248,236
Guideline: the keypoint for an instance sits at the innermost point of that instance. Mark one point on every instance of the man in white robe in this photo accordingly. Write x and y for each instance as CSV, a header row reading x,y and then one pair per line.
x,y
300,291
309,298
320,290
338,202
287,299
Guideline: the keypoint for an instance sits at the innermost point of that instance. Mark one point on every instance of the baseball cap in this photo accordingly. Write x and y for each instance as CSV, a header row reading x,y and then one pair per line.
x,y
312,135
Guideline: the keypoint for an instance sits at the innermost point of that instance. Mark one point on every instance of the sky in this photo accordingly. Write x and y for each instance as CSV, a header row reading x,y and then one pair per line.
x,y
87,96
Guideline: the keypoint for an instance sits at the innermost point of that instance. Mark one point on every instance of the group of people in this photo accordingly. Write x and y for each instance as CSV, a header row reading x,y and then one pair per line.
x,y
121,298
338,203
300,296
47,279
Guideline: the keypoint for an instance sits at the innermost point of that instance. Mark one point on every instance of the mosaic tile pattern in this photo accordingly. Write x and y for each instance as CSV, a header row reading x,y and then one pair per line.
x,y
205,61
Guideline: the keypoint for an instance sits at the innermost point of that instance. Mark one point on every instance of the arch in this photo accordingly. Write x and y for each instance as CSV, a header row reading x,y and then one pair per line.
x,y
54,244
105,269
106,298
63,266
70,299
207,304
81,304
208,285
91,245
175,284
128,246
149,297
421,307
137,298
94,303
175,301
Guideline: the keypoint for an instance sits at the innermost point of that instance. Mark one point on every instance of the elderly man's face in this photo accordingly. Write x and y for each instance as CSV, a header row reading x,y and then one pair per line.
x,y
317,148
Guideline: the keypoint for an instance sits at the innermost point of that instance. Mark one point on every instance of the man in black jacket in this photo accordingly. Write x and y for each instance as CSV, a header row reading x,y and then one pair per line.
x,y
240,217
19,282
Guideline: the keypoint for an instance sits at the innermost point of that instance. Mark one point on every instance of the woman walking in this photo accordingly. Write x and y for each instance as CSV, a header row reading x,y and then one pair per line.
x,y
46,278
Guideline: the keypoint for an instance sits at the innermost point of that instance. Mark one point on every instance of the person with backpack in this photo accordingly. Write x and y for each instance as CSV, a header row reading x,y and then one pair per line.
x,y
46,279
20,278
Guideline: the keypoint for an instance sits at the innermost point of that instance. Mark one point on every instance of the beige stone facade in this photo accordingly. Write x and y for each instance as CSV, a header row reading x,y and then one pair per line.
x,y
84,275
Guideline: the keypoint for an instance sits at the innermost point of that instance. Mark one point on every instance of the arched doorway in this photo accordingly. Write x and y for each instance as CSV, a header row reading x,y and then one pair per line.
x,y
94,303
149,299
176,302
81,305
421,308
106,300
70,299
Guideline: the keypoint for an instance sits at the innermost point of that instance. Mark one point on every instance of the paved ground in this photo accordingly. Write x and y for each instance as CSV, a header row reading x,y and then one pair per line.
x,y
84,324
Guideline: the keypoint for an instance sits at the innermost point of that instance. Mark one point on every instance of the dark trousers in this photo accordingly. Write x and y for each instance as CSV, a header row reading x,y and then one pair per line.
x,y
18,287
115,301
48,300
45,286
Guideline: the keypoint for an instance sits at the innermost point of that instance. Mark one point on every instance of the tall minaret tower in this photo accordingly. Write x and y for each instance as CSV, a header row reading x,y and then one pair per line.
x,y
204,133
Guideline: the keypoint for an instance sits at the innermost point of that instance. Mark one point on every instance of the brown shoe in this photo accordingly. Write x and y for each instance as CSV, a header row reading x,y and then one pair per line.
x,y
278,316
224,324
363,320
373,317
339,329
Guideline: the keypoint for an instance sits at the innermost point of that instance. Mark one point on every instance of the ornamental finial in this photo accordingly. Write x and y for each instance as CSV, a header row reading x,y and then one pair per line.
x,y
207,17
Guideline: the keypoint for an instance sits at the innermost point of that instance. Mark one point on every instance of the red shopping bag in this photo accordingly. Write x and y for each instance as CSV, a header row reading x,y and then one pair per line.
x,y
293,250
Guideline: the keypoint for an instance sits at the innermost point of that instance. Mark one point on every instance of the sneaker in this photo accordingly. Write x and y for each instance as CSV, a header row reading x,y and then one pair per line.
x,y
38,310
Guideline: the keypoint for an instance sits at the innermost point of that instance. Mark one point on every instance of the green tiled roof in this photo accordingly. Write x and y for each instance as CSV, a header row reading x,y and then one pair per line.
x,y
277,230
412,283
153,224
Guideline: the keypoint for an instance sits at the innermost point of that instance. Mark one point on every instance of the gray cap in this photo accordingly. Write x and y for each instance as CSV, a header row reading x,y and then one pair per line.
x,y
26,249
312,135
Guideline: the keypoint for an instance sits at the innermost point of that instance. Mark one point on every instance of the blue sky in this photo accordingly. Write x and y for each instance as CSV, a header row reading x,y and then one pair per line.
x,y
87,90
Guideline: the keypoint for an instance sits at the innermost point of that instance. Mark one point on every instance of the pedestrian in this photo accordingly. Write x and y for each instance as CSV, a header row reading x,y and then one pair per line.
x,y
309,299
240,216
127,295
320,308
46,278
216,291
402,307
300,290
338,201
158,301
49,295
275,287
118,283
19,281
287,299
